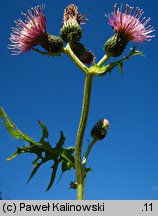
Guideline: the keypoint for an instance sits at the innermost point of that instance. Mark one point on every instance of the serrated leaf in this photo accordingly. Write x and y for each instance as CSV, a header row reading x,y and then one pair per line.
x,y
36,167
61,140
14,155
12,129
54,167
44,130
43,150
66,164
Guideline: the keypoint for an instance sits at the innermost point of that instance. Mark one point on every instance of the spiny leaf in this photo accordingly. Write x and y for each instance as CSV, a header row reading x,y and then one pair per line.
x,y
14,154
61,140
108,68
120,65
135,52
36,167
43,150
45,131
54,168
66,164
12,129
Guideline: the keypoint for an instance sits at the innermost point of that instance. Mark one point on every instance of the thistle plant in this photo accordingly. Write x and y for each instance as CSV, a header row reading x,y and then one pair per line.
x,y
31,34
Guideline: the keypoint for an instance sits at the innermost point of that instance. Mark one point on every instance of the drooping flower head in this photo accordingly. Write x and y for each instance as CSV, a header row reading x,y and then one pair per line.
x,y
28,34
71,30
86,56
32,32
128,26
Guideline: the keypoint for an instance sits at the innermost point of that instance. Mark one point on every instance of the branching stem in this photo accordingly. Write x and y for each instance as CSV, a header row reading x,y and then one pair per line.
x,y
74,58
103,60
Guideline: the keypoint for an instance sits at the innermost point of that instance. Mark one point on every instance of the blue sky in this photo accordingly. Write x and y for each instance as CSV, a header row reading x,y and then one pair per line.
x,y
125,164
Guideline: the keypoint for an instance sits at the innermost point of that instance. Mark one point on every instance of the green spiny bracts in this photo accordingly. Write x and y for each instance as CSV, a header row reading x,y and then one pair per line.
x,y
71,31
52,43
115,46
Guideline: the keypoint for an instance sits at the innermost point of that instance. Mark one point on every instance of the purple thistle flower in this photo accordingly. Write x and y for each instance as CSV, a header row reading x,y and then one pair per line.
x,y
130,24
29,33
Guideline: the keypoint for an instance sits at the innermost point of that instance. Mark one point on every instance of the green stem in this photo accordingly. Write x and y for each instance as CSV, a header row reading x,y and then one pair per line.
x,y
84,161
80,135
103,60
74,58
85,158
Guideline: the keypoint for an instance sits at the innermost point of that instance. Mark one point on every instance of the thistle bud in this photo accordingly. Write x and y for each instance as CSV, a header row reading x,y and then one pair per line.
x,y
71,30
85,56
115,46
100,129
51,43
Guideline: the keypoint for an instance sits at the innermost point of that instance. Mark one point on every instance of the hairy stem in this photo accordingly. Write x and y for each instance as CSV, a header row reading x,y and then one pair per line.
x,y
85,158
80,135
84,161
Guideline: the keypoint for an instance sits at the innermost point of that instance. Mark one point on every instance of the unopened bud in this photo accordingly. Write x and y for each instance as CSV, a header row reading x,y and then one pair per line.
x,y
100,129
85,56
71,31
115,46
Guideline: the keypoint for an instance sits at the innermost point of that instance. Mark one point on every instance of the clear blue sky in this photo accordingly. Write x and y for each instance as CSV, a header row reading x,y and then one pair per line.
x,y
32,87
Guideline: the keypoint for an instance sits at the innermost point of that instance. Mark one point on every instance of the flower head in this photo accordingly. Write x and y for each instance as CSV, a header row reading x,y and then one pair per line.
x,y
128,26
71,30
29,33
85,55
71,13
